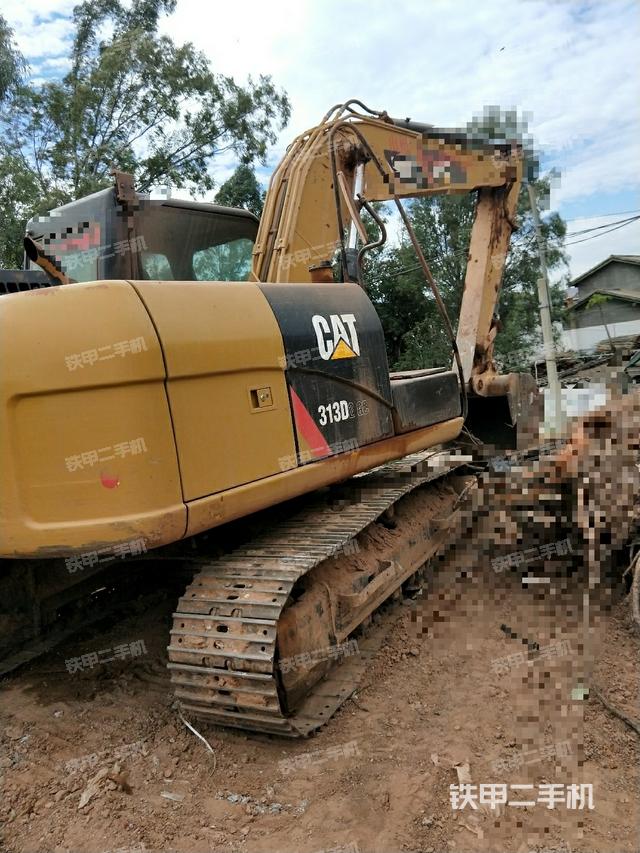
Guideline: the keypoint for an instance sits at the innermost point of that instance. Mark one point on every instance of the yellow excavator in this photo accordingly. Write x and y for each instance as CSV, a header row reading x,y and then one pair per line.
x,y
143,409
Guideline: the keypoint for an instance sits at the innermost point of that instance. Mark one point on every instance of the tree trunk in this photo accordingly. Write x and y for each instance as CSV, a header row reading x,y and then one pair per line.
x,y
606,328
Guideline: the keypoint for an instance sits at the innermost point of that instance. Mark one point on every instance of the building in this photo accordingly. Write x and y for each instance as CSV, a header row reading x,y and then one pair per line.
x,y
617,280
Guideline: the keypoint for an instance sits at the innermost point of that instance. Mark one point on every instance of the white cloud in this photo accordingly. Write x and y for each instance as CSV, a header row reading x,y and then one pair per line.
x,y
40,29
55,63
624,241
569,64
604,166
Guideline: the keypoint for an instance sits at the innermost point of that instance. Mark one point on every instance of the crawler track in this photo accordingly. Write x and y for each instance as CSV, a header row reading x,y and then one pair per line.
x,y
226,642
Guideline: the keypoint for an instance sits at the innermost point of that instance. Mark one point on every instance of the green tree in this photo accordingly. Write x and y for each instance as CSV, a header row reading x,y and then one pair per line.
x,y
18,189
226,262
12,63
518,306
415,333
16,182
597,300
242,190
135,101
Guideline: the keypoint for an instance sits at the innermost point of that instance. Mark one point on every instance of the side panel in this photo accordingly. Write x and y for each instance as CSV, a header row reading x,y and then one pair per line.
x,y
218,509
336,366
86,446
226,383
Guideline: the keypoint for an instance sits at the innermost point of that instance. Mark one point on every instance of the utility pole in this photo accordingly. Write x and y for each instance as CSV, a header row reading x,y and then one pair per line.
x,y
545,317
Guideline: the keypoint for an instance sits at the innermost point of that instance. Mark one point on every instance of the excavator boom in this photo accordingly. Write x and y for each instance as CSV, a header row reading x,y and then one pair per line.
x,y
382,159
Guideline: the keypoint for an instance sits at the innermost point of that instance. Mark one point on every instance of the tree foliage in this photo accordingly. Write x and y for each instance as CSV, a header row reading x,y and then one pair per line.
x,y
132,100
242,190
18,192
11,61
17,185
415,334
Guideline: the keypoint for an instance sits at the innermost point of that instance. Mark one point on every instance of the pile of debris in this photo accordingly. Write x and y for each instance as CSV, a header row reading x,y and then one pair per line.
x,y
626,345
578,370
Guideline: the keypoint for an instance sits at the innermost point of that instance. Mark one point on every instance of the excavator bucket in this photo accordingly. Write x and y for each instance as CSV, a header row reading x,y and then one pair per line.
x,y
507,421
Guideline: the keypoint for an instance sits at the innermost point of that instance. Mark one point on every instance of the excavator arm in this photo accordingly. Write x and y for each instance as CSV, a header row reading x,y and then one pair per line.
x,y
350,159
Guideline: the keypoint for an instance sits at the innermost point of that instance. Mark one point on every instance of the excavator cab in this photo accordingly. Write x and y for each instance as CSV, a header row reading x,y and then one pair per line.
x,y
118,234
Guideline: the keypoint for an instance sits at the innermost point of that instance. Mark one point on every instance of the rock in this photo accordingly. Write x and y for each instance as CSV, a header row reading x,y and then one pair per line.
x,y
93,787
169,795
415,652
13,732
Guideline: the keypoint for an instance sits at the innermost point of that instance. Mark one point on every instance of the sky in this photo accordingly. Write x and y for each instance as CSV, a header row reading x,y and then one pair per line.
x,y
573,67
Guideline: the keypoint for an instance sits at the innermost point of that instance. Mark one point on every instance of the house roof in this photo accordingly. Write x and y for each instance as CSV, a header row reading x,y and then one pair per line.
x,y
623,259
624,295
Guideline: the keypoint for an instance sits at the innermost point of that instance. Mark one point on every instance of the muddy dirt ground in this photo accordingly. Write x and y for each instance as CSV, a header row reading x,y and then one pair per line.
x,y
99,759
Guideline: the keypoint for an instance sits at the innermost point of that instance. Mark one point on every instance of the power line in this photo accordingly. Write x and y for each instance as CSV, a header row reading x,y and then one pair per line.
x,y
602,215
602,233
600,227
609,226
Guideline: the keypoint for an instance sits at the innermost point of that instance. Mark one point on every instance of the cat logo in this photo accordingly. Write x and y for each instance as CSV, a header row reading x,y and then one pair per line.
x,y
337,336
